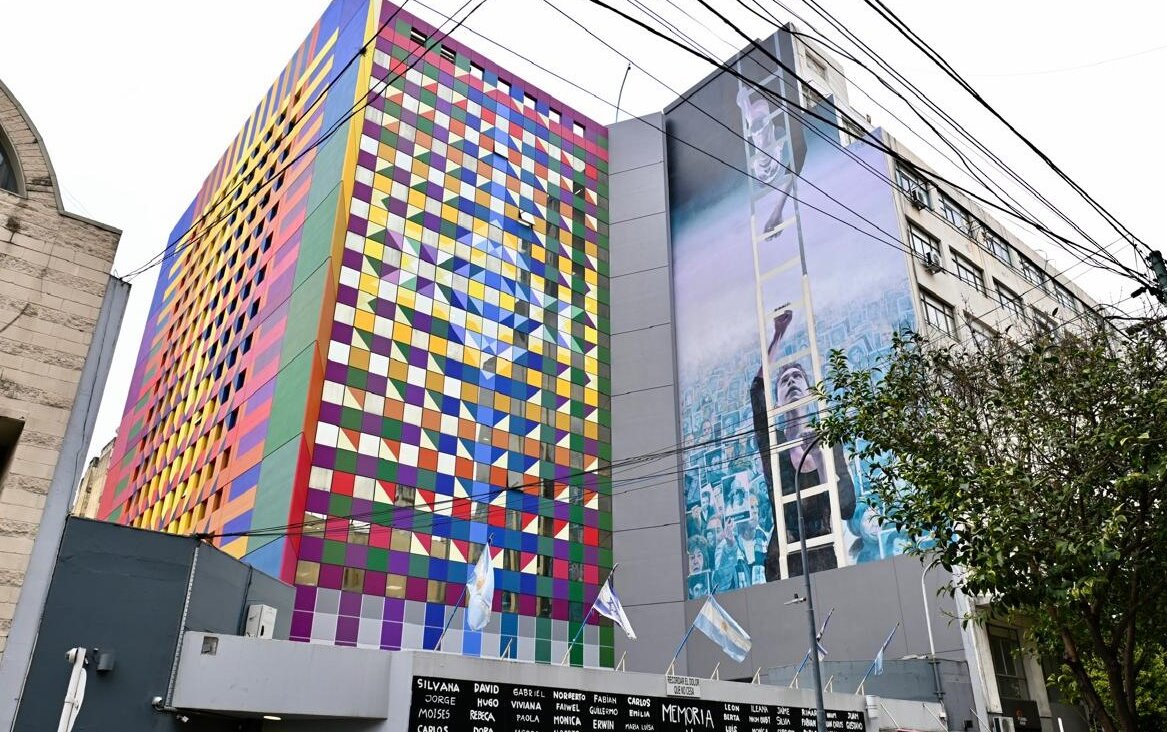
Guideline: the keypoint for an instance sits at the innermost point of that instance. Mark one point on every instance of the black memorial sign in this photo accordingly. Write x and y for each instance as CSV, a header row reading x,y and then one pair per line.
x,y
457,705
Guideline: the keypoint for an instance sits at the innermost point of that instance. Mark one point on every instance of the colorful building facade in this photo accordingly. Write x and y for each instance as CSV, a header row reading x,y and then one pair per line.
x,y
379,342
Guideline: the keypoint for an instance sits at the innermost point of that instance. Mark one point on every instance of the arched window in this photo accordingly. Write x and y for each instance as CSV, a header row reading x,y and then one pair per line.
x,y
8,170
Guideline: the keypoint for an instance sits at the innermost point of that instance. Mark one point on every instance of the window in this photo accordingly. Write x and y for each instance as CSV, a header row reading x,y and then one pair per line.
x,y
913,184
417,36
476,71
448,53
981,333
577,128
9,178
553,115
817,65
1008,666
1066,299
1033,274
938,314
1011,301
1043,322
956,215
924,244
969,273
996,246
504,87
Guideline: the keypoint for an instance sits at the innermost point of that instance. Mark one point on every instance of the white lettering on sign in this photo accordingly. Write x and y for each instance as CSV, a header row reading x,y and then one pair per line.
x,y
686,686
688,716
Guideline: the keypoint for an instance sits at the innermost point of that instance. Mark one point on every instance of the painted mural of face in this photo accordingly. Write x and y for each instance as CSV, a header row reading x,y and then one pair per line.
x,y
792,384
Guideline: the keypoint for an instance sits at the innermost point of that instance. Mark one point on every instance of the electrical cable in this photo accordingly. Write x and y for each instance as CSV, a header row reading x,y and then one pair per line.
x,y
865,140
902,28
685,99
178,245
978,175
495,493
754,43
947,119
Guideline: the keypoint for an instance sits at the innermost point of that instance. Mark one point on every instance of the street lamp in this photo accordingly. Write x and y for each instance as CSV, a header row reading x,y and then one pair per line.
x,y
820,712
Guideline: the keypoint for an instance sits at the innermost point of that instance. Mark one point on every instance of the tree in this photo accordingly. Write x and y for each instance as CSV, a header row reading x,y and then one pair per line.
x,y
1039,469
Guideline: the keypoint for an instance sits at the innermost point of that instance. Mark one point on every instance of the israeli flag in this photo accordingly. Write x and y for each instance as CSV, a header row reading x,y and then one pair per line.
x,y
608,605
723,630
480,588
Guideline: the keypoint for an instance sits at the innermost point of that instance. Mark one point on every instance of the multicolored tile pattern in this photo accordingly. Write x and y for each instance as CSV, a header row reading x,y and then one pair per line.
x,y
428,363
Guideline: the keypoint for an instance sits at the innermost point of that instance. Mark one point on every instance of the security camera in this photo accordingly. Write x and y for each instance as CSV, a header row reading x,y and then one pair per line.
x,y
156,702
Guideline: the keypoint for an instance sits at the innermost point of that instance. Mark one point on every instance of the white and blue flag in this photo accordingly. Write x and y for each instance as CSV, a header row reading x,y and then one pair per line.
x,y
608,605
877,664
480,588
723,630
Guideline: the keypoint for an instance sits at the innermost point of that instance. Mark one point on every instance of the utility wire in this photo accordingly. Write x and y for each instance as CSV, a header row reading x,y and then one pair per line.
x,y
946,119
902,28
1081,260
867,140
895,243
978,175
178,245
895,240
492,494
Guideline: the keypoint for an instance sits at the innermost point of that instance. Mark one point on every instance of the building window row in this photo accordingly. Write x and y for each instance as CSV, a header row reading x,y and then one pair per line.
x,y
420,38
918,190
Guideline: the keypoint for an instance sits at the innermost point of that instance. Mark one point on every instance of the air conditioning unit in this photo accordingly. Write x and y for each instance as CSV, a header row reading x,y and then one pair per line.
x,y
932,263
919,198
1003,724
261,622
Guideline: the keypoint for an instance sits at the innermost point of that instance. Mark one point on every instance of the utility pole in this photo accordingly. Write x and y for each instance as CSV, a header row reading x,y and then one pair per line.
x,y
1155,261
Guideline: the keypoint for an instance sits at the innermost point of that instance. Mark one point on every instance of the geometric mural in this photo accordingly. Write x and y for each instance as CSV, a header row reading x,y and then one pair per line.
x,y
394,352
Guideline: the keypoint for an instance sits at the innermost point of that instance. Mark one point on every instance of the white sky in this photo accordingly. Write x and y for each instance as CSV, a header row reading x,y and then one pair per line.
x,y
137,99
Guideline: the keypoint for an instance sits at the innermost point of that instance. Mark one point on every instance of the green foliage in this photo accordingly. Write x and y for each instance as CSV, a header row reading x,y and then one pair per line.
x,y
1151,686
1037,468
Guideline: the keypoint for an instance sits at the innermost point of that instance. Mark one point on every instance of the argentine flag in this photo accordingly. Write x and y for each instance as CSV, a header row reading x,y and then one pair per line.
x,y
480,588
723,630
608,605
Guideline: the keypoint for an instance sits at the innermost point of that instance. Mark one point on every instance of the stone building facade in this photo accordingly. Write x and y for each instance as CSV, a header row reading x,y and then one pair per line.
x,y
54,275
92,485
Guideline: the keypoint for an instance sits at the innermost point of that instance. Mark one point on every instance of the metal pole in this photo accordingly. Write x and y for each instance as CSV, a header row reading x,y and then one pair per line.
x,y
588,617
820,711
683,641
931,641
458,604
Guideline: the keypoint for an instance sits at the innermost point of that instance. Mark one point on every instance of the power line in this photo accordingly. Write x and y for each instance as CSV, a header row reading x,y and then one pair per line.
x,y
895,243
368,96
494,492
975,173
867,140
895,240
902,28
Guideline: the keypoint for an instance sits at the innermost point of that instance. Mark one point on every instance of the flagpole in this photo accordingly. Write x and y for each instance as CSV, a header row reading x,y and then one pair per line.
x,y
877,655
587,617
683,642
458,604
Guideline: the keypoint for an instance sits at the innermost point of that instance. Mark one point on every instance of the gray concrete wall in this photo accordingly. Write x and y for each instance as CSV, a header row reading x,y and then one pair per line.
x,y
869,599
316,687
646,510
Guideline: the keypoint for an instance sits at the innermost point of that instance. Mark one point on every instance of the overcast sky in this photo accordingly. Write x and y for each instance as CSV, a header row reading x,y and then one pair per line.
x,y
137,99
